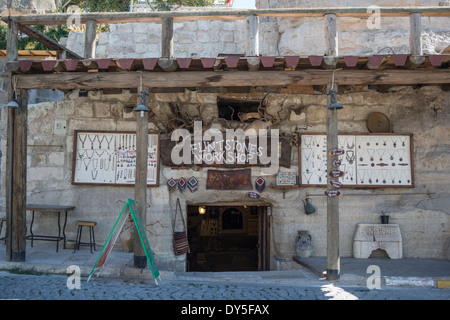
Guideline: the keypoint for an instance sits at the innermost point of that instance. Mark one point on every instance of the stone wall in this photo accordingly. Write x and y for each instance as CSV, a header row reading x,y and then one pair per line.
x,y
30,6
277,36
423,221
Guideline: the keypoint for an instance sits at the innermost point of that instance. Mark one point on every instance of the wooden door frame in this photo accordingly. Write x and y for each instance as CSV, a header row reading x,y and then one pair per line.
x,y
263,239
263,227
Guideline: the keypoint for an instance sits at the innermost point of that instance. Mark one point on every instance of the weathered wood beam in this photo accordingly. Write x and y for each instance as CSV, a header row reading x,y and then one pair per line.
x,y
140,186
16,182
69,81
333,256
167,38
49,42
12,47
252,36
124,17
331,42
89,39
415,40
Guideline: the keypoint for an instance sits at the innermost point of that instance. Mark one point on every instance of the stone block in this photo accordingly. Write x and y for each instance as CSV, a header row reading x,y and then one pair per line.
x,y
370,237
56,159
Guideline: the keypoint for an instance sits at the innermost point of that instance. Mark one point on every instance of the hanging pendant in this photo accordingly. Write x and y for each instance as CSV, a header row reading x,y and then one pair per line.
x,y
182,184
192,184
171,183
260,184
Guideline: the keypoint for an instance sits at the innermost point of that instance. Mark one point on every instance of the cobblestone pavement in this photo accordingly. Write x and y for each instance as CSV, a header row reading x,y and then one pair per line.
x,y
55,287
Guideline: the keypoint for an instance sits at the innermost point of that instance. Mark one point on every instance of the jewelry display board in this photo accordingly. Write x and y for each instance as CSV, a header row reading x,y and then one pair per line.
x,y
374,160
109,158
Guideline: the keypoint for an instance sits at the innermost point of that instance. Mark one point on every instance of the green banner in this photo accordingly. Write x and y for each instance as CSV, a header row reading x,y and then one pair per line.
x,y
130,207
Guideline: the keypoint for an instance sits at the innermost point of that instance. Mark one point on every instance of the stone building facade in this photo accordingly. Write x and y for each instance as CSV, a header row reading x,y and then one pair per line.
x,y
422,111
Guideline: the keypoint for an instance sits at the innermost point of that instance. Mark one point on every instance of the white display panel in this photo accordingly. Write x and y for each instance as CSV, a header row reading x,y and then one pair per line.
x,y
376,160
110,158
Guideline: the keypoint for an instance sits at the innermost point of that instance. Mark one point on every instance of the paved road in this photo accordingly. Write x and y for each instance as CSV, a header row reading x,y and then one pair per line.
x,y
55,287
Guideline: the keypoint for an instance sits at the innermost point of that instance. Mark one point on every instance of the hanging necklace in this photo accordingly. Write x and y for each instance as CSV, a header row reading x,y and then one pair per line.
x,y
109,141
371,153
363,173
384,175
307,145
381,155
82,141
100,141
403,141
350,156
92,141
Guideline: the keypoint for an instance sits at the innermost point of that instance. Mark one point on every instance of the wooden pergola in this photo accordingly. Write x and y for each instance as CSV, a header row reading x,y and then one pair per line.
x,y
168,74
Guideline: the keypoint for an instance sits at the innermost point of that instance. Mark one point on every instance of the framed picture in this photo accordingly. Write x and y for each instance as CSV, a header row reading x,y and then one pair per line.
x,y
368,160
109,158
286,179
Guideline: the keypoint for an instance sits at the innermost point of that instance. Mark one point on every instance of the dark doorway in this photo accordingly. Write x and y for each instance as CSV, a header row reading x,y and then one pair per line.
x,y
227,238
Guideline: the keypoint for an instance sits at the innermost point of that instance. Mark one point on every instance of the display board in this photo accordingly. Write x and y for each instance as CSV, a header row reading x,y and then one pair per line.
x,y
110,158
375,160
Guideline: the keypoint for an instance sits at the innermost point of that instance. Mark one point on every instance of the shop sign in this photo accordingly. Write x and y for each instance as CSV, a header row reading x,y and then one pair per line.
x,y
333,193
335,184
336,174
336,152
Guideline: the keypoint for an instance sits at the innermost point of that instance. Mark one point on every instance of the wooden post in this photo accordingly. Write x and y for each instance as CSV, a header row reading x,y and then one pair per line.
x,y
140,187
252,36
415,41
167,38
333,258
16,161
16,181
415,37
331,42
89,40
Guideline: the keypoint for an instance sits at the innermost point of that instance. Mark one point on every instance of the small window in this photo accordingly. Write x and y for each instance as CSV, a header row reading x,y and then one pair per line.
x,y
232,109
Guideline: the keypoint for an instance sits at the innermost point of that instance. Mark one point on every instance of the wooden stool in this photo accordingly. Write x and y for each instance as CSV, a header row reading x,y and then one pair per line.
x,y
2,220
91,242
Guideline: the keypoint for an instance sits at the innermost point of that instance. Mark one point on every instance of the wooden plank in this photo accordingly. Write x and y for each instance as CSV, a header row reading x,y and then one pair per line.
x,y
69,81
127,17
49,42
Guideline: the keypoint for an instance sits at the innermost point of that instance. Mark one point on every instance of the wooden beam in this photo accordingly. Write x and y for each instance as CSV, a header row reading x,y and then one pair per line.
x,y
49,42
331,36
16,182
252,36
127,17
89,39
331,42
415,40
333,257
140,186
12,46
167,38
100,80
